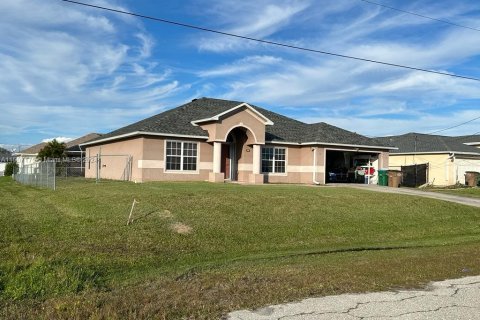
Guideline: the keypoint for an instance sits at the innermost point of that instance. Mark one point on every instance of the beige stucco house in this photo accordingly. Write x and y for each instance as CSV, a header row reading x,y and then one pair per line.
x,y
218,140
448,158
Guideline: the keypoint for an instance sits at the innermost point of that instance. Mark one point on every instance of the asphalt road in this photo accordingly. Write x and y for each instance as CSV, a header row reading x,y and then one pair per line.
x,y
449,299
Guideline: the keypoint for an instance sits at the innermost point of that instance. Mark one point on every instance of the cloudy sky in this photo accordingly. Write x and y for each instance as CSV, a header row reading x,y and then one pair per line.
x,y
67,70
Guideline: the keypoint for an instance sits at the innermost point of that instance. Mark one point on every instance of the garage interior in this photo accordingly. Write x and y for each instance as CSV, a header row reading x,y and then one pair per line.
x,y
351,167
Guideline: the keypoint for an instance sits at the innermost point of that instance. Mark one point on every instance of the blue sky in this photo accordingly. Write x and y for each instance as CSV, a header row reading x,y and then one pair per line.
x,y
68,70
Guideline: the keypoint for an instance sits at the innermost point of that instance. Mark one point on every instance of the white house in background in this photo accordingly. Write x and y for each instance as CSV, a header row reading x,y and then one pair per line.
x,y
29,155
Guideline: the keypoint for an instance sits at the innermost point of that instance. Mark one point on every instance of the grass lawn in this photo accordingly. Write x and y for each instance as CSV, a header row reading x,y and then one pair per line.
x,y
199,250
463,192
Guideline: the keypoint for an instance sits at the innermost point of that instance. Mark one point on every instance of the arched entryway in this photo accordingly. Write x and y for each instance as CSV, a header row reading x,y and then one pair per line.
x,y
233,150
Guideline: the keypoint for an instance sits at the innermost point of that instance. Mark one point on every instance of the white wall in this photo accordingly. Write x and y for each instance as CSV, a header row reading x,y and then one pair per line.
x,y
464,165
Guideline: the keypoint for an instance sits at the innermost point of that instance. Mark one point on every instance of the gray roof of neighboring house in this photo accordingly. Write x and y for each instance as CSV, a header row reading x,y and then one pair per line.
x,y
469,138
177,121
425,143
73,145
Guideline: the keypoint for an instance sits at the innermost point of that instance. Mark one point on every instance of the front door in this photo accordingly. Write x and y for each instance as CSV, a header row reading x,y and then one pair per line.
x,y
229,161
226,160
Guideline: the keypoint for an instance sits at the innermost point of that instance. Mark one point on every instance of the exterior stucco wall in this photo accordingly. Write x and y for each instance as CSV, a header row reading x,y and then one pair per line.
x,y
148,161
440,170
245,162
383,160
114,158
218,131
153,162
299,166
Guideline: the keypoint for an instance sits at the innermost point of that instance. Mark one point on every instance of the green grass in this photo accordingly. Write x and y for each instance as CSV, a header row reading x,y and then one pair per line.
x,y
463,192
70,254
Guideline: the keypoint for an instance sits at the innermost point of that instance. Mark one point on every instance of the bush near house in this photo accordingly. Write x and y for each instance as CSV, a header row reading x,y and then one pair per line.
x,y
52,150
199,250
10,168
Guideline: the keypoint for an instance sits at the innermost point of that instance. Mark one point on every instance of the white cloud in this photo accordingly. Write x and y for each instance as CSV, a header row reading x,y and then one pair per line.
x,y
422,123
258,19
248,64
59,139
69,68
347,91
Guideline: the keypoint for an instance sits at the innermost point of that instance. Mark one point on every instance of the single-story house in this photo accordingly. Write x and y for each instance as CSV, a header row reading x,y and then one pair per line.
x,y
448,158
216,140
29,155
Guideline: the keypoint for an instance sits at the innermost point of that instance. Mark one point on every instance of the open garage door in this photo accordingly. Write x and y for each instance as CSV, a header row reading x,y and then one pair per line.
x,y
342,166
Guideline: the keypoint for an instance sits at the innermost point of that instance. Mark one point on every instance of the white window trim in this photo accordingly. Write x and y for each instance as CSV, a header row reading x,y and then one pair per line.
x,y
286,161
181,171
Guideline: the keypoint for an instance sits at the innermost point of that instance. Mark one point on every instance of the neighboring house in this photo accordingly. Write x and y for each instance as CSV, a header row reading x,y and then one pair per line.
x,y
218,140
448,158
29,155
5,157
470,140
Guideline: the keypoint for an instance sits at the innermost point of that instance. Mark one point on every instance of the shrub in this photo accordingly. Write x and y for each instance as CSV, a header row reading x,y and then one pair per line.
x,y
11,168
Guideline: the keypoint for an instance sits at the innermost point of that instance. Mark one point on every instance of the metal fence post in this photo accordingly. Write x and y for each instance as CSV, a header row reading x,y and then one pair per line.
x,y
54,176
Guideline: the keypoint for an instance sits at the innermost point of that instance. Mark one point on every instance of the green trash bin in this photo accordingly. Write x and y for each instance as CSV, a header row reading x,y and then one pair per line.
x,y
383,177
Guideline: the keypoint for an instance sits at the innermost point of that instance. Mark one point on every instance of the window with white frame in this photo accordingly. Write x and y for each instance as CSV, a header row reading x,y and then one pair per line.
x,y
181,156
273,160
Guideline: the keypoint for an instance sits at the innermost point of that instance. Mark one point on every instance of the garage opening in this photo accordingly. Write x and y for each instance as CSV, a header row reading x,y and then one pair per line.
x,y
351,167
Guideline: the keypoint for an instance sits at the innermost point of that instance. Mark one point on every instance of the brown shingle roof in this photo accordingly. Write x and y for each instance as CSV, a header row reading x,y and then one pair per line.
x,y
71,145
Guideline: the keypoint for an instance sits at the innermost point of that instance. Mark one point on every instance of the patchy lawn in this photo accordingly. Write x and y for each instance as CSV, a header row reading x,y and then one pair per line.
x,y
199,250
463,192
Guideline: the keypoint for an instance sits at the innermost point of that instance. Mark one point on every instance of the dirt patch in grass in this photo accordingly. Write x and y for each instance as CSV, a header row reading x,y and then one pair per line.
x,y
181,228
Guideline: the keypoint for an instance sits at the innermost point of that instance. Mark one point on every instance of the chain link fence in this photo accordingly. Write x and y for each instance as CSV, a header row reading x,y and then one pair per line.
x,y
38,174
50,172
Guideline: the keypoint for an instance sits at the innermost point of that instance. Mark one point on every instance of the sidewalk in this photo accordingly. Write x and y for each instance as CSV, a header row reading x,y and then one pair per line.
x,y
414,192
449,299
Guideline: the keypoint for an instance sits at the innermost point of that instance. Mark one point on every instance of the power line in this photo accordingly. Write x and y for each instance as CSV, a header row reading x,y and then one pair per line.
x,y
455,126
445,129
279,44
421,15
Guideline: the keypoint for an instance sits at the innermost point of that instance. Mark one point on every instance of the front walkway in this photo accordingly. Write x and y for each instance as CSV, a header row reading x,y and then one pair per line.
x,y
414,192
450,299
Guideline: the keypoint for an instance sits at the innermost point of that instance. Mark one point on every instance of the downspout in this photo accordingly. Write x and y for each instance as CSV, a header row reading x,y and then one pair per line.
x,y
450,157
314,178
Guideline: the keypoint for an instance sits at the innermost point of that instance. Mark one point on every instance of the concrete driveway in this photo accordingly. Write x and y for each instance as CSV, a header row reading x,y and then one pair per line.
x,y
450,299
475,202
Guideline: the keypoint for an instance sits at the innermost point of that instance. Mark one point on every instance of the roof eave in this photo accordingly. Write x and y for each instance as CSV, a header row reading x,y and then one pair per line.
x,y
266,121
331,144
437,152
139,133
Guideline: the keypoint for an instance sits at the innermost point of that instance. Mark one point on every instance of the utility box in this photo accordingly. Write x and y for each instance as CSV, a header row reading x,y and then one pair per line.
x,y
394,178
472,178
